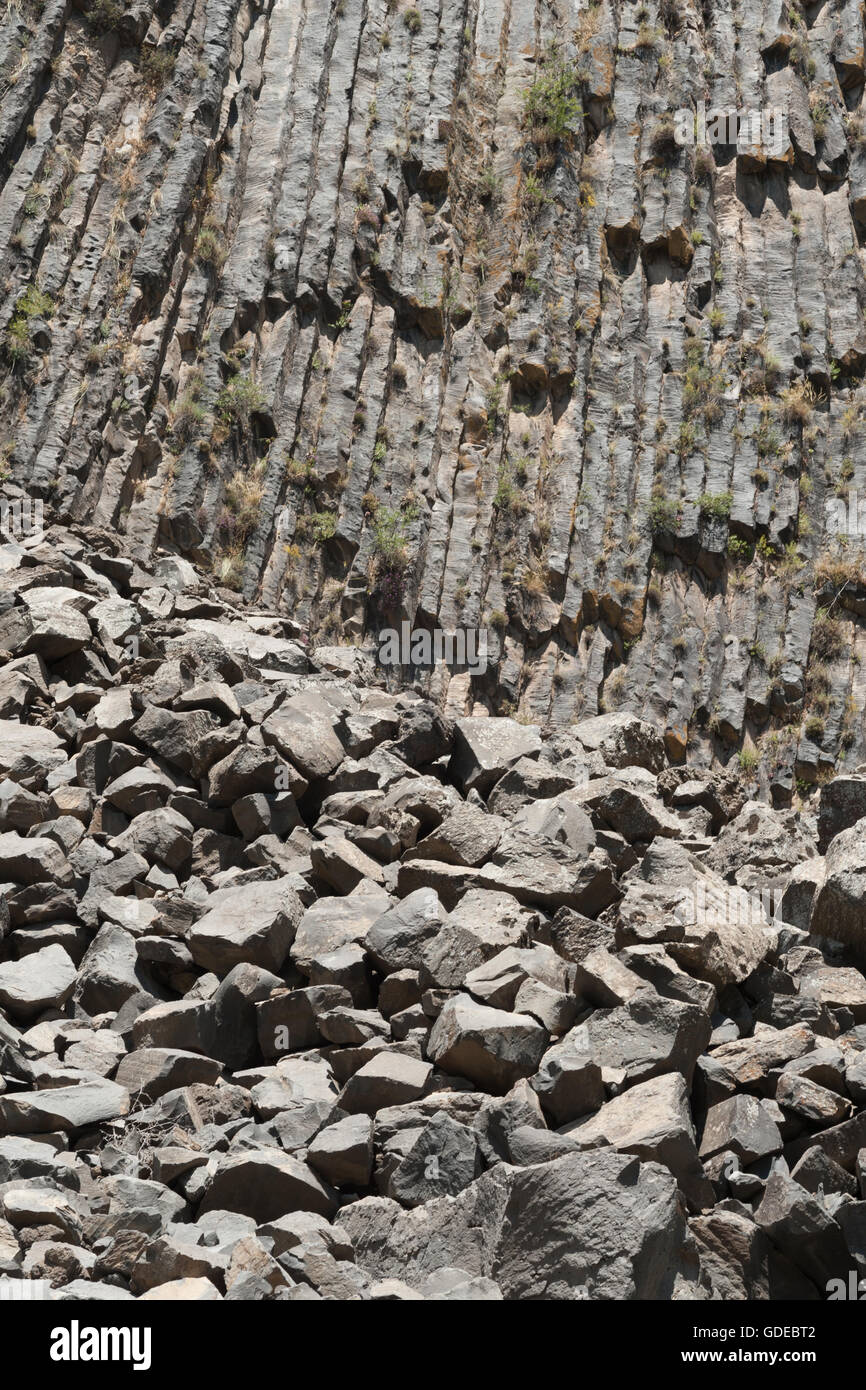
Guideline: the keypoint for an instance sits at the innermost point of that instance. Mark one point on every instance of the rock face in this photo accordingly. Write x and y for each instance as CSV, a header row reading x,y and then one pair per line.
x,y
305,323
540,977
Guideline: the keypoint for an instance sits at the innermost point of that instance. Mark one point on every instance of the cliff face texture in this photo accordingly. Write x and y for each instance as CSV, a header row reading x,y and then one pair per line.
x,y
318,318
424,312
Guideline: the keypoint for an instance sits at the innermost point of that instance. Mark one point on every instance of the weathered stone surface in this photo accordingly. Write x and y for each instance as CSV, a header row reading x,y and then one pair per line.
x,y
485,748
482,924
568,1081
490,1047
152,1071
467,836
302,729
193,1289
839,908
524,1226
266,1184
110,972
332,923
163,835
816,1104
442,1162
749,1061
653,1120
842,803
713,930
177,738
741,1262
499,980
287,1021
39,981
758,845
342,1153
743,1126
815,1170
28,745
396,941
342,865
389,1078
32,860
803,1230
67,1108
603,980
623,741
255,923
648,1036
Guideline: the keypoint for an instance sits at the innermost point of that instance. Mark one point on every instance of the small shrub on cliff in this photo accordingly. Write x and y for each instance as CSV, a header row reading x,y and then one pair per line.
x,y
390,559
243,500
716,506
104,16
663,513
321,526
815,728
156,67
188,420
740,551
798,402
550,106
32,304
238,401
828,641
210,248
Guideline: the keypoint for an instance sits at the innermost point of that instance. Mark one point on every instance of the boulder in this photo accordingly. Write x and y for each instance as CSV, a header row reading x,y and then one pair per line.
x,y
839,907
490,1047
42,980
266,1184
253,924
568,1082
342,1153
486,748
653,1121
389,1078
527,1228
67,1108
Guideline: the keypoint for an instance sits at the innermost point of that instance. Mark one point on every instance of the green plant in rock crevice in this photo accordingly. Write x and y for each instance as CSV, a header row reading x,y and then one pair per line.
x,y
238,401
390,559
32,304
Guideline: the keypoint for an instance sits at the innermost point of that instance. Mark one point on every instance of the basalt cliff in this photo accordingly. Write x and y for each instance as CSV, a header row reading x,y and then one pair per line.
x,y
327,979
374,310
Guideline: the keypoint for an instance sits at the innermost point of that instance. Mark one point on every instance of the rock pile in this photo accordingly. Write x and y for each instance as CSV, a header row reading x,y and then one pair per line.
x,y
308,992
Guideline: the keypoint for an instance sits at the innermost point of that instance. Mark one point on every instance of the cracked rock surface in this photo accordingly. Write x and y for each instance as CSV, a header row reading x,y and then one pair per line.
x,y
323,980
464,1011
385,311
